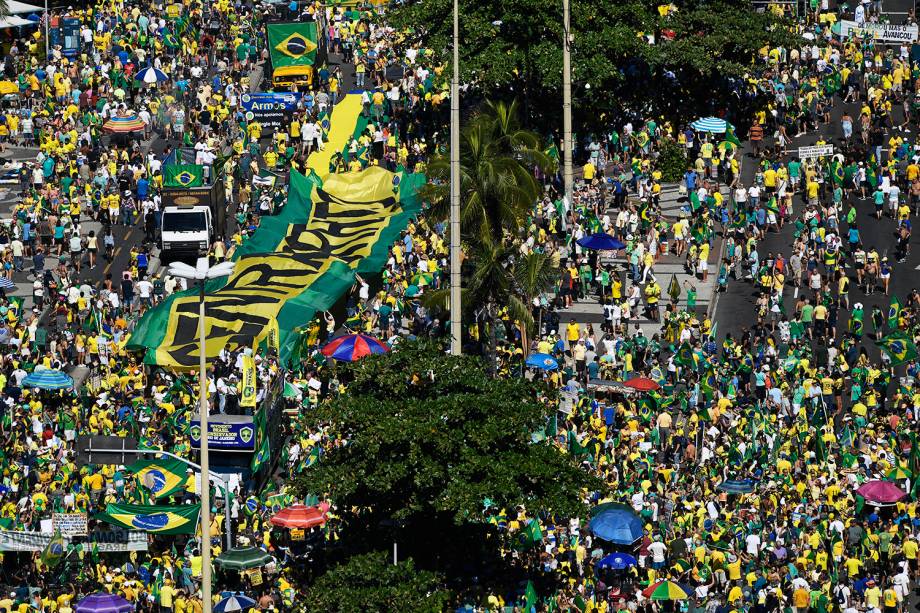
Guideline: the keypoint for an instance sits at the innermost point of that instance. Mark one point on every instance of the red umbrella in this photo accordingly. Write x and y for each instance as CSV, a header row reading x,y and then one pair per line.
x,y
643,384
884,492
301,516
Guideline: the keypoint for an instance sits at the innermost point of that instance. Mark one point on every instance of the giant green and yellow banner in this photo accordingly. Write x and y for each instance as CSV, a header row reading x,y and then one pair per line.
x,y
297,263
180,519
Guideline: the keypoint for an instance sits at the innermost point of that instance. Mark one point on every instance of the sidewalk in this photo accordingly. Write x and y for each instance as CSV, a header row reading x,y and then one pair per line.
x,y
589,310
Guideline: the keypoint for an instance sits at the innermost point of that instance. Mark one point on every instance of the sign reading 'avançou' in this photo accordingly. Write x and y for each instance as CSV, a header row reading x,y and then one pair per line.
x,y
879,31
227,436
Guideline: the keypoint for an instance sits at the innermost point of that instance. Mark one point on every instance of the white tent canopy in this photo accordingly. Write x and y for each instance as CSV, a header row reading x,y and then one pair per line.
x,y
20,8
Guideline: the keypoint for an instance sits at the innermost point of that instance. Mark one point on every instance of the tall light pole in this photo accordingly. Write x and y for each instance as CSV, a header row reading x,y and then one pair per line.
x,y
566,103
456,329
200,273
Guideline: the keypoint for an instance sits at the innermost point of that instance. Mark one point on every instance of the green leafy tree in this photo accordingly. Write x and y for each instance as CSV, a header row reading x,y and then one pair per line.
x,y
430,438
626,55
672,161
372,584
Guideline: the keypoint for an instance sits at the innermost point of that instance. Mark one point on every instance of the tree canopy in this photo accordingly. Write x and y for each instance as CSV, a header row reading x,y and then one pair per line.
x,y
371,583
435,448
627,55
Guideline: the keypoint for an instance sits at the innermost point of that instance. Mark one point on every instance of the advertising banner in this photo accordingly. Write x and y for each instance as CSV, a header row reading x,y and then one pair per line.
x,y
272,110
225,436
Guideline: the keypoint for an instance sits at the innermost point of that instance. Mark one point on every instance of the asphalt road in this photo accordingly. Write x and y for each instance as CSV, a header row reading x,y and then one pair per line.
x,y
736,308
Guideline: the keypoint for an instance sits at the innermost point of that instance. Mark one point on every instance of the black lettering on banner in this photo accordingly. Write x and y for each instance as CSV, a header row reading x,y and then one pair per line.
x,y
238,313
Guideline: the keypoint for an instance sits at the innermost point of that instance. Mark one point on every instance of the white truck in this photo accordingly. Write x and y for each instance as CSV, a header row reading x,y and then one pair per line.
x,y
193,217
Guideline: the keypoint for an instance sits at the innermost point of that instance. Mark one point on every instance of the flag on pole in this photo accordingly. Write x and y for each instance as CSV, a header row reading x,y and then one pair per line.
x,y
894,313
899,347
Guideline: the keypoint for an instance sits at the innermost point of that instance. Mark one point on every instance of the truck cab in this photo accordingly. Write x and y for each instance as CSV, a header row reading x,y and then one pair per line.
x,y
194,206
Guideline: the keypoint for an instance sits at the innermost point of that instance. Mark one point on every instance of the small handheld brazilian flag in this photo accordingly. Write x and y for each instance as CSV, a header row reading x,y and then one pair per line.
x,y
899,347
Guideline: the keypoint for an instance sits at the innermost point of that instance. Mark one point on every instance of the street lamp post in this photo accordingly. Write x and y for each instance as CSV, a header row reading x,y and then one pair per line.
x,y
567,103
456,329
200,273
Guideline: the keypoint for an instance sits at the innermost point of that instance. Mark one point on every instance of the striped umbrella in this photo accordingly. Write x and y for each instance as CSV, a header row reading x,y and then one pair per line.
x,y
237,602
151,75
48,379
899,473
123,125
667,590
243,558
6,284
300,516
713,125
351,347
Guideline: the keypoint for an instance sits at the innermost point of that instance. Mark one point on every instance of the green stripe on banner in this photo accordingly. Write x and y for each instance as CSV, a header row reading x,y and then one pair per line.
x,y
298,263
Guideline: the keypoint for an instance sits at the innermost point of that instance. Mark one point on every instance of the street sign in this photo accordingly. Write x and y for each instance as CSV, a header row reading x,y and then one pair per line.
x,y
106,449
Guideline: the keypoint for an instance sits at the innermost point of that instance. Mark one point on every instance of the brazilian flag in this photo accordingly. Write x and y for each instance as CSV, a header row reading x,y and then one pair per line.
x,y
54,551
730,136
183,175
894,313
899,347
180,519
529,536
685,355
161,477
170,40
292,44
263,447
837,173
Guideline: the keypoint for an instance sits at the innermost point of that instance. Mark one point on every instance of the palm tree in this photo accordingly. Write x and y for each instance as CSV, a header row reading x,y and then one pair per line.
x,y
497,185
498,191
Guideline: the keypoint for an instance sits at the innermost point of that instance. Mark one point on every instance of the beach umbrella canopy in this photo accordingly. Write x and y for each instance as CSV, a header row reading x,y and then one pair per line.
x,y
102,602
123,125
243,558
667,590
7,284
351,347
736,486
899,473
48,379
543,361
642,384
300,516
237,602
151,75
617,561
884,492
619,526
600,242
710,124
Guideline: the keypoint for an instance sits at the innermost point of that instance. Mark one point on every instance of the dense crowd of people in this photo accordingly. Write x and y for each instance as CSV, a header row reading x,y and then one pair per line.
x,y
742,462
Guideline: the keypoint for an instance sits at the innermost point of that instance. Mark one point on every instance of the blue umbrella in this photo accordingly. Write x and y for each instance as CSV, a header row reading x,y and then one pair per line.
x,y
617,561
619,526
7,284
48,379
543,361
710,124
736,486
600,242
151,75
237,602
